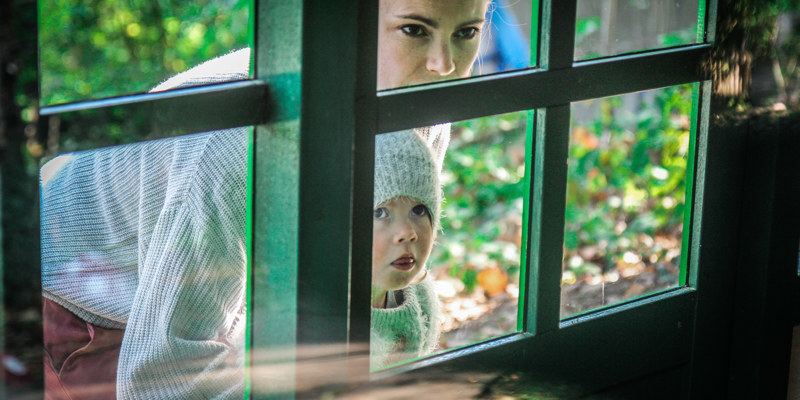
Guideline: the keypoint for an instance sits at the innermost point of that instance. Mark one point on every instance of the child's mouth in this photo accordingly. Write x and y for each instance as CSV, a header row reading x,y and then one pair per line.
x,y
404,263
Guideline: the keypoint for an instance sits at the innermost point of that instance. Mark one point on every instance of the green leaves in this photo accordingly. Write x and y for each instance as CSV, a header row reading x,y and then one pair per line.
x,y
626,180
102,48
483,177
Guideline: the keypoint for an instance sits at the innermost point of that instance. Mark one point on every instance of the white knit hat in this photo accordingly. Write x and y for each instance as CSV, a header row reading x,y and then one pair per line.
x,y
408,163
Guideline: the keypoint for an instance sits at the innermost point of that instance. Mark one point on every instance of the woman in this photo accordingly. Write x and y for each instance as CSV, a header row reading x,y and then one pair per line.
x,y
164,224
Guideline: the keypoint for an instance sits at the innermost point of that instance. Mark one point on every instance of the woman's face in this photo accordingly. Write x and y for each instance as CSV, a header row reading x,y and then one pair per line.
x,y
422,41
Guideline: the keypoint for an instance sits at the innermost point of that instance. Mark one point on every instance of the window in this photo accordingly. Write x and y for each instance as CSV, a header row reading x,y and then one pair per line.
x,y
316,111
554,348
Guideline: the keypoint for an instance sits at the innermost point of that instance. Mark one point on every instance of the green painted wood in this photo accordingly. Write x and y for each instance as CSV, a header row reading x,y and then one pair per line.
x,y
523,90
549,352
715,235
699,138
275,198
710,19
546,231
699,114
249,233
326,141
558,34
326,191
200,109
585,355
525,272
536,26
366,122
700,33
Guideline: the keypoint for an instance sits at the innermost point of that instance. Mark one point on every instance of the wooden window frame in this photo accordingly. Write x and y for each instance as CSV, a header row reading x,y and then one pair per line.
x,y
315,109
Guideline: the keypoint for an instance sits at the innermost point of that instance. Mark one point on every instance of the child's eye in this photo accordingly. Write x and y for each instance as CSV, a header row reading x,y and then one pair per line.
x,y
380,213
414,30
419,210
466,33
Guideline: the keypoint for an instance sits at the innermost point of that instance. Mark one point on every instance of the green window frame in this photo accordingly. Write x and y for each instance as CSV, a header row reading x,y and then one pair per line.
x,y
547,347
313,103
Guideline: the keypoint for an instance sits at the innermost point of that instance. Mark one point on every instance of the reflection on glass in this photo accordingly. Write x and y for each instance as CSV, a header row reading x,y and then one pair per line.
x,y
113,47
423,42
626,189
611,27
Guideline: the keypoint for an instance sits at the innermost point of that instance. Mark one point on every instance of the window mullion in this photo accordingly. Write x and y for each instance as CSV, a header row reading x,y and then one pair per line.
x,y
549,175
548,191
176,112
521,90
558,34
274,222
366,118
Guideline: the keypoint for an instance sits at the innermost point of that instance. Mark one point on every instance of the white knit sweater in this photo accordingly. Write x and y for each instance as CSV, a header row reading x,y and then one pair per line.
x,y
149,238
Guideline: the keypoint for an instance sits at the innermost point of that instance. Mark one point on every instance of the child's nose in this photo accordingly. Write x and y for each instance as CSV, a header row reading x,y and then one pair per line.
x,y
405,233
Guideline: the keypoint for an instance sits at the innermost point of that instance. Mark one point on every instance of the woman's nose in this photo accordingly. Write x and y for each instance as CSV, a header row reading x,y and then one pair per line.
x,y
440,58
404,233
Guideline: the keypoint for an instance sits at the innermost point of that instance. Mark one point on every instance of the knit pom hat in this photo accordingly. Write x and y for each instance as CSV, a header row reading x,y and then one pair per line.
x,y
407,165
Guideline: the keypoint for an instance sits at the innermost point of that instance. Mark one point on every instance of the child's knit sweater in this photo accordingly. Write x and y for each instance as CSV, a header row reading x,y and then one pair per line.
x,y
407,331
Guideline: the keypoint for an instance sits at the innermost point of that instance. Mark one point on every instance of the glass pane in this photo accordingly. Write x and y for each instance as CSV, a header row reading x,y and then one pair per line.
x,y
104,48
423,42
626,197
611,27
473,269
147,240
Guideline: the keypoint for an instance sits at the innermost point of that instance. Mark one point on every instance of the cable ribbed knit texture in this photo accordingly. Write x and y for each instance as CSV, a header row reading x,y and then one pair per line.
x,y
407,331
149,237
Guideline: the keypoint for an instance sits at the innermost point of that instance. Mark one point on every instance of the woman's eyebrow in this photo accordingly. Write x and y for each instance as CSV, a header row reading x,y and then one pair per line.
x,y
475,21
420,18
434,24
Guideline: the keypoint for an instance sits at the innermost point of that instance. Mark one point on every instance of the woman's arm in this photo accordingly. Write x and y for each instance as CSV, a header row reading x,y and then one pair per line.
x,y
185,334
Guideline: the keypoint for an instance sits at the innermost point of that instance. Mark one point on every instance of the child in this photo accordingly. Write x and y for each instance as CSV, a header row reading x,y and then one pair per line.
x,y
406,216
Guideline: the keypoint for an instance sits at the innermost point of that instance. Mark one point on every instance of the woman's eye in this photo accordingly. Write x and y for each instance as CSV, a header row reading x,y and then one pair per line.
x,y
380,213
413,30
467,33
419,210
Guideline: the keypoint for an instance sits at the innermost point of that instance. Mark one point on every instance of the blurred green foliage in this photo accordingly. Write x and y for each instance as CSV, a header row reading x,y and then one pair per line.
x,y
626,182
626,188
483,178
102,48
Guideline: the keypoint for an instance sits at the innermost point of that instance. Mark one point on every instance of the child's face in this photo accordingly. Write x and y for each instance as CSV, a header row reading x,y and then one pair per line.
x,y
402,238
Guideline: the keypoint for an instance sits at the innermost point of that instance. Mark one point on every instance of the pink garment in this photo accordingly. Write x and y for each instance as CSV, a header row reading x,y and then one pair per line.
x,y
80,359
